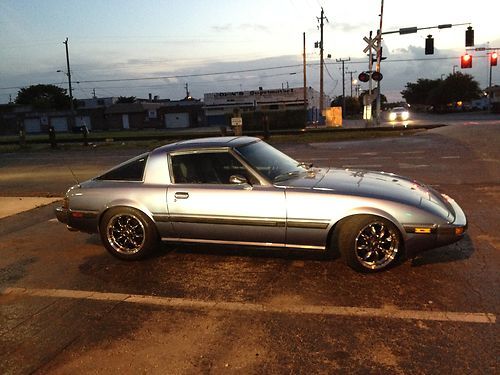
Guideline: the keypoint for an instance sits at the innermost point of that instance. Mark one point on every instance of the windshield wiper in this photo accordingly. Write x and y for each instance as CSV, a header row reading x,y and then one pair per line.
x,y
305,165
286,176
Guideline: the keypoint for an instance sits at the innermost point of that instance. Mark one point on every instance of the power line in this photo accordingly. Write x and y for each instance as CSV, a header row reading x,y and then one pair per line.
x,y
309,65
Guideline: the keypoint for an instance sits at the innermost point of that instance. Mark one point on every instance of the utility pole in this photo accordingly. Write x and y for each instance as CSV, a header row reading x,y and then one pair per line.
x,y
351,73
379,58
305,76
71,104
321,62
343,83
69,78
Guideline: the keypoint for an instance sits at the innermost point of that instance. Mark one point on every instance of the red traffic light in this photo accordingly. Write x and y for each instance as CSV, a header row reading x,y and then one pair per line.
x,y
364,77
466,61
377,76
494,59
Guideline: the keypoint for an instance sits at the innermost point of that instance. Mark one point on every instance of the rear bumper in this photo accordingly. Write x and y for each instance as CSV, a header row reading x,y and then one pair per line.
x,y
62,214
85,221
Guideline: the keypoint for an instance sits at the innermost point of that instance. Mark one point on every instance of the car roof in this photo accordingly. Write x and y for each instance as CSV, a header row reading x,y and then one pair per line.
x,y
211,142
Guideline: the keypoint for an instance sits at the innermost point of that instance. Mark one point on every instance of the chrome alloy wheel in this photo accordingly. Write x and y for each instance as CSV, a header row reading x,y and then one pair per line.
x,y
126,233
376,245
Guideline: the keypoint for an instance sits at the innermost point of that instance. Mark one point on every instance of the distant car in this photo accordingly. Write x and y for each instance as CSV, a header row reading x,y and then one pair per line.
x,y
241,191
399,114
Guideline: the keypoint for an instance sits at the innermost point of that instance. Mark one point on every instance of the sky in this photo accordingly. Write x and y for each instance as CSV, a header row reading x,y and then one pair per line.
x,y
133,48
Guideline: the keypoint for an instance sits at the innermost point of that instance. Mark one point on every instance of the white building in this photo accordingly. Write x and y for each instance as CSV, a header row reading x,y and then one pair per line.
x,y
219,105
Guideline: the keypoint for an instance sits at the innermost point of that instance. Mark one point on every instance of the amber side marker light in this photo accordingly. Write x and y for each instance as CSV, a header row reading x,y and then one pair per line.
x,y
459,231
422,230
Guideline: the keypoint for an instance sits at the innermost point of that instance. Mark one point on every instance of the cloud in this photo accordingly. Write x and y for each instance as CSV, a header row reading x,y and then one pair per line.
x,y
349,27
228,27
222,28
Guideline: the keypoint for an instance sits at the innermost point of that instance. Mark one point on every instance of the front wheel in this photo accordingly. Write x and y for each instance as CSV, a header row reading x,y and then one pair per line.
x,y
127,233
369,243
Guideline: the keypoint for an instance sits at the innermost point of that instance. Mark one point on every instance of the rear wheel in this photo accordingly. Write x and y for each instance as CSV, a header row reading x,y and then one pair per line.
x,y
369,243
128,233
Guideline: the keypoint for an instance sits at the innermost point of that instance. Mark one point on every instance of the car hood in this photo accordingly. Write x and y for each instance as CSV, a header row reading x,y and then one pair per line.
x,y
378,185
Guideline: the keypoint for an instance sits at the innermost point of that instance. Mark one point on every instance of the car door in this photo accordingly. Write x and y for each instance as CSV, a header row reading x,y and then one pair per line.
x,y
205,207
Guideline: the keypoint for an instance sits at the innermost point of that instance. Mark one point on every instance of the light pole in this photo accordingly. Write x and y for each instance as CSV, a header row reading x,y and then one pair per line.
x,y
68,73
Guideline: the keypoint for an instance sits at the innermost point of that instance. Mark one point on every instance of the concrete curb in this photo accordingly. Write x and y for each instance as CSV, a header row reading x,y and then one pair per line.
x,y
13,205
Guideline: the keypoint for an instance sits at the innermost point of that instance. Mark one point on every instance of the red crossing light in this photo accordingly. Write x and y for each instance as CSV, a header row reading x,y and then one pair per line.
x,y
494,59
466,61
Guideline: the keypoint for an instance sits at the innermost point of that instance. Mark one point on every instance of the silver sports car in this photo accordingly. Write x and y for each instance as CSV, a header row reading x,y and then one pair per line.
x,y
243,192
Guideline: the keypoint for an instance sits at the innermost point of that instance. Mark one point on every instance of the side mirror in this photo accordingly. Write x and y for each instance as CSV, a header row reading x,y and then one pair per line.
x,y
237,179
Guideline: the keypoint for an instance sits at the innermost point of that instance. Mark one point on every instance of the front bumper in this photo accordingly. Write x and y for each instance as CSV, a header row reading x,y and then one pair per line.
x,y
425,237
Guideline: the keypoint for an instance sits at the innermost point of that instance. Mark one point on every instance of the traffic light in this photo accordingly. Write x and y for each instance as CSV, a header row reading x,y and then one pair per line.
x,y
466,61
377,76
493,59
429,45
469,37
364,77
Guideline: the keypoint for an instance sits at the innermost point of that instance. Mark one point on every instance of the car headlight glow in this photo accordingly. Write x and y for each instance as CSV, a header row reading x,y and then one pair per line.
x,y
392,116
405,115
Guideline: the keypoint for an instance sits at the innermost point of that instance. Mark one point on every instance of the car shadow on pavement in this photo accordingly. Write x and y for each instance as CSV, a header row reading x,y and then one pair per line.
x,y
243,251
458,251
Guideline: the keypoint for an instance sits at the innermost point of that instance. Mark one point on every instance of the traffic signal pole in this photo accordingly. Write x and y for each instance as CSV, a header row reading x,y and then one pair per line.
x,y
406,30
379,59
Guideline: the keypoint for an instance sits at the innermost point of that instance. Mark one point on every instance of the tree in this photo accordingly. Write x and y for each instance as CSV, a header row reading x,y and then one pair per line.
x,y
439,93
44,97
126,99
418,93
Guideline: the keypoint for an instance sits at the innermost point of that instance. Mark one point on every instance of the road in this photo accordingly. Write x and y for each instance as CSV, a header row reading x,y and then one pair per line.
x,y
419,119
66,306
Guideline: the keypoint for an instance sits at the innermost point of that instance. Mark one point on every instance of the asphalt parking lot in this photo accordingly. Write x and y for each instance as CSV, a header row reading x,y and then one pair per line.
x,y
67,306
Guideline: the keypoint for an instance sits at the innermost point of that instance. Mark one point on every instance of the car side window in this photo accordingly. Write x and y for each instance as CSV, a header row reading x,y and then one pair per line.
x,y
207,168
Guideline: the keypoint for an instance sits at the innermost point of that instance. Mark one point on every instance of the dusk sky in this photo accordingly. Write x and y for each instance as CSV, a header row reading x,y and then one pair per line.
x,y
259,42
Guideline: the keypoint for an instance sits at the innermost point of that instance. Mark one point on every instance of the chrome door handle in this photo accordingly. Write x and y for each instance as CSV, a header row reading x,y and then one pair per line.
x,y
181,195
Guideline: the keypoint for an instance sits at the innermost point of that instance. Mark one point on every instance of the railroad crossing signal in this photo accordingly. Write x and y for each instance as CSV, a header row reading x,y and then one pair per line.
x,y
372,43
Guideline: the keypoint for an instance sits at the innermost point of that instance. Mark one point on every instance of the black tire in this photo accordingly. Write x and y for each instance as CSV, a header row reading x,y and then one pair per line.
x,y
127,233
369,243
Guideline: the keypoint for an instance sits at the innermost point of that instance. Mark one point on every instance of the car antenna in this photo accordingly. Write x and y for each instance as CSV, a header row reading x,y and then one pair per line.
x,y
73,174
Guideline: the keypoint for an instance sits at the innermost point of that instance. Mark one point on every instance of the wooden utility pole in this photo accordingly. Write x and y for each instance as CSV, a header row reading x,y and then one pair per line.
x,y
321,63
305,75
343,83
68,73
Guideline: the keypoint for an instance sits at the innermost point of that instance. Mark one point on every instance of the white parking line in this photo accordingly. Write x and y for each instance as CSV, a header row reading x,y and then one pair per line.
x,y
389,312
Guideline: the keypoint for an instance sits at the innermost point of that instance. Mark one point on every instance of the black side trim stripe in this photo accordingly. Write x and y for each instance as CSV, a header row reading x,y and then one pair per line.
x,y
250,221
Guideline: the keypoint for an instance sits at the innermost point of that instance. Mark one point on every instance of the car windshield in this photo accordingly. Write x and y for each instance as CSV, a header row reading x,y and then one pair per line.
x,y
271,162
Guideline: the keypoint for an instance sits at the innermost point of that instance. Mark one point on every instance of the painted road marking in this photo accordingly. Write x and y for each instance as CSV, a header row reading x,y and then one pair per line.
x,y
386,312
362,166
411,166
409,152
450,157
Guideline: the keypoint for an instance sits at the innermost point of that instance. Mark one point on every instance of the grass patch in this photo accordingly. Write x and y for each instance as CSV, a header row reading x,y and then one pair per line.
x,y
132,139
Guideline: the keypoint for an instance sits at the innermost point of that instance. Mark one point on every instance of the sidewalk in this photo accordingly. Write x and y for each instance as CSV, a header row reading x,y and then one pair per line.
x,y
13,205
